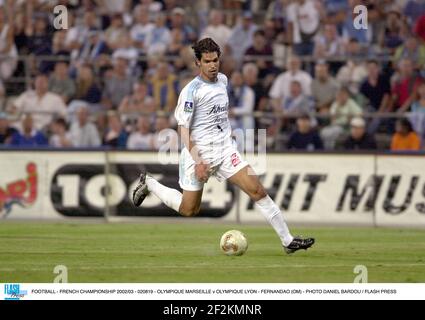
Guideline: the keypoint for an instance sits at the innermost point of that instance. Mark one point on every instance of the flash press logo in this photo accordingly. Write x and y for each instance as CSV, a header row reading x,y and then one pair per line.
x,y
14,292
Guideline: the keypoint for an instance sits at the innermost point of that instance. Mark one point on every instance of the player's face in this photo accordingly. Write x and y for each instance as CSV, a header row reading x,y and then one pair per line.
x,y
209,65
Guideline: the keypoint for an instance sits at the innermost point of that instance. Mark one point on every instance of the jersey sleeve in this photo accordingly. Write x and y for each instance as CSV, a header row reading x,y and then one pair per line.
x,y
222,77
186,105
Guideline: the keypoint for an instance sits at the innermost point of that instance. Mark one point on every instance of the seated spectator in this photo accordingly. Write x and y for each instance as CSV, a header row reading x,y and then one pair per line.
x,y
118,85
241,37
413,10
342,110
277,10
216,30
91,49
250,77
354,71
303,23
241,103
165,138
154,7
138,102
39,41
417,115
281,86
159,38
128,52
115,136
28,136
164,87
87,88
420,28
359,139
59,45
260,48
392,35
6,131
44,105
323,87
403,90
83,133
60,82
79,34
376,88
115,31
177,21
60,138
405,138
142,139
297,102
328,43
176,44
411,49
141,28
305,137
8,51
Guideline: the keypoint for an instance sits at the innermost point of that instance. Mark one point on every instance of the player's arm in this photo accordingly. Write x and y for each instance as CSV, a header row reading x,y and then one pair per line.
x,y
202,168
184,114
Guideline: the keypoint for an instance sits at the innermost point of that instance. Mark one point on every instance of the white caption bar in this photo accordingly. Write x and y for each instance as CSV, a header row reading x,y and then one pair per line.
x,y
58,291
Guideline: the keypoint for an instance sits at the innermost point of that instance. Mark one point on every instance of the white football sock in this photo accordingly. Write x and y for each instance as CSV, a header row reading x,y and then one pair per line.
x,y
170,197
272,213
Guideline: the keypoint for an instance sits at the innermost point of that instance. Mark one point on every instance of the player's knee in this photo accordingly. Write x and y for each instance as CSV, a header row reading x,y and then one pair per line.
x,y
189,211
258,193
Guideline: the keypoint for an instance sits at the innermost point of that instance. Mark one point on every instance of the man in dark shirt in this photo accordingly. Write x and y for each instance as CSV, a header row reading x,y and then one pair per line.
x,y
259,48
377,89
305,137
359,139
6,132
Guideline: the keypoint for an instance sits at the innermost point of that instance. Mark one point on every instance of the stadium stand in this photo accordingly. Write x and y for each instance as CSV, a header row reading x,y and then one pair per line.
x,y
121,64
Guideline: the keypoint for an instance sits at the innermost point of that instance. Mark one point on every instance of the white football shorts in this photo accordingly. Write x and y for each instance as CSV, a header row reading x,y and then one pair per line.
x,y
225,164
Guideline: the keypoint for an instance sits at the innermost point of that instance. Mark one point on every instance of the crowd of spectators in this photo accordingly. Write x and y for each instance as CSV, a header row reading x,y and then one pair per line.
x,y
298,69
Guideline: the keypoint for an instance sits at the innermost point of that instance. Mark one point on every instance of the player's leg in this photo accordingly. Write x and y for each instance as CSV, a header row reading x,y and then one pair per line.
x,y
191,203
248,182
251,185
187,204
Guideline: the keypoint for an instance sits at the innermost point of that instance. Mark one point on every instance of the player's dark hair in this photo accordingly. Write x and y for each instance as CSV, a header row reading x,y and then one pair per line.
x,y
206,45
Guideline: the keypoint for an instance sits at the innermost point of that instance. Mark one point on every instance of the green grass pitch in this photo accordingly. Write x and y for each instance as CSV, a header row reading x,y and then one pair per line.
x,y
189,252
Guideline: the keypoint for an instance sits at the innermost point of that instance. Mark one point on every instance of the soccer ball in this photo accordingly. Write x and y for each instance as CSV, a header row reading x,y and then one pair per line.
x,y
233,243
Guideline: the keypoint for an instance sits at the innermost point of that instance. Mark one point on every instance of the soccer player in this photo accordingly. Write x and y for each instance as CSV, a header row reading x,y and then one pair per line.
x,y
209,150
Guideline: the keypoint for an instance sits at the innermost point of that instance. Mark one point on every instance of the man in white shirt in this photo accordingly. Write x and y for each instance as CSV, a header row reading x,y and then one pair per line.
x,y
41,103
303,23
83,133
142,139
141,28
281,85
216,30
209,150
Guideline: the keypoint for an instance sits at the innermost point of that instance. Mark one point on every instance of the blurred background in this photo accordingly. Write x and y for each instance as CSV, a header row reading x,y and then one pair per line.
x,y
298,69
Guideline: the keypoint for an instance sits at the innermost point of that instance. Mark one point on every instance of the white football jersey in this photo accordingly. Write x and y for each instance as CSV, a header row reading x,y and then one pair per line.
x,y
203,108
